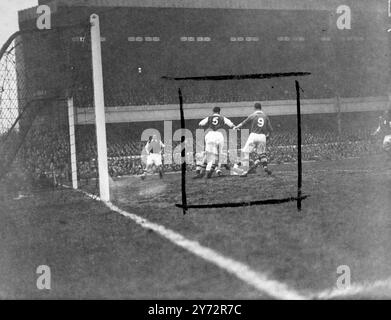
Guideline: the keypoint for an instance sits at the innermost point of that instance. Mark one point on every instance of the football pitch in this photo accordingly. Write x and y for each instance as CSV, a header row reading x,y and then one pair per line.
x,y
144,247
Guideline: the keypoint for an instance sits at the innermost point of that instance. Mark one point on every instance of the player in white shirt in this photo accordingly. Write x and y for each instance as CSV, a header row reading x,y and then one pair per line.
x,y
214,143
154,149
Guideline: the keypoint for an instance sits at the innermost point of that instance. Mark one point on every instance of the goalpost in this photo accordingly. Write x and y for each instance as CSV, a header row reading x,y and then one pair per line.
x,y
99,117
72,143
99,103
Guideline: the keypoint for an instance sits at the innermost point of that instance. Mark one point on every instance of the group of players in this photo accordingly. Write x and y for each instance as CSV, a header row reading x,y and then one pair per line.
x,y
260,131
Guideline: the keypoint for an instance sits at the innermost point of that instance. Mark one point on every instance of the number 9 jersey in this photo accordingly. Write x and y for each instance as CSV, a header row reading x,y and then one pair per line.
x,y
260,123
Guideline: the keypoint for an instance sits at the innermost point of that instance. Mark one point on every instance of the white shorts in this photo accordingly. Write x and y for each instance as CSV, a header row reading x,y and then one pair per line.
x,y
214,141
387,143
154,158
255,142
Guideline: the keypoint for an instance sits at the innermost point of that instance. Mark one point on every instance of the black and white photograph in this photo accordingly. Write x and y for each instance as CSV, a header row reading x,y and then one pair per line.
x,y
195,150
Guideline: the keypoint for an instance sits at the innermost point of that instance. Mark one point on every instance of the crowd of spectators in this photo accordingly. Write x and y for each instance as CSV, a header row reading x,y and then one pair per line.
x,y
321,145
124,150
151,91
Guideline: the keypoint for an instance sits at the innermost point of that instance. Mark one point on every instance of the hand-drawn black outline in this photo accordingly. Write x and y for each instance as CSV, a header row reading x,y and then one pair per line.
x,y
241,77
299,155
183,153
299,197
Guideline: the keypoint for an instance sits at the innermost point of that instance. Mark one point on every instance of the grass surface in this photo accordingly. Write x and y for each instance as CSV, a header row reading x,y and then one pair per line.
x,y
95,253
345,221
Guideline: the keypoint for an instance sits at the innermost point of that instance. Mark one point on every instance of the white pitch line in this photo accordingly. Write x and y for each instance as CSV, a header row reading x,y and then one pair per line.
x,y
242,271
356,289
255,279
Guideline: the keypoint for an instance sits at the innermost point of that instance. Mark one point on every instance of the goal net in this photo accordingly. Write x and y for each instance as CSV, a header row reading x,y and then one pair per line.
x,y
42,80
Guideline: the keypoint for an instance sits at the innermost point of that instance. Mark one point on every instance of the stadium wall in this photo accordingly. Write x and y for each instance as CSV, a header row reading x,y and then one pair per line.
x,y
197,111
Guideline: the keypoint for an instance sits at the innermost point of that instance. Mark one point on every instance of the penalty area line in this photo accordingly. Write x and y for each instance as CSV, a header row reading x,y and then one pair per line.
x,y
238,269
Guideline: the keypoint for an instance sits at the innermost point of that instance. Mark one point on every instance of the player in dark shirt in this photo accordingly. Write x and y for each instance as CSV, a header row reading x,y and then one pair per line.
x,y
260,131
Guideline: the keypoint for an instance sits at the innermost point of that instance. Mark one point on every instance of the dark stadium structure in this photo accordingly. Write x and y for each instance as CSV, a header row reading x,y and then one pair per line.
x,y
344,44
145,40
